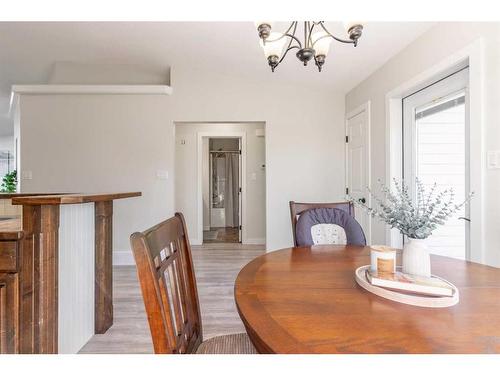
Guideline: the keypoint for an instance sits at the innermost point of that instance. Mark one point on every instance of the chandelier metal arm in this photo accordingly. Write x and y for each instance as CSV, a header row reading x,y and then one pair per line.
x,y
350,41
287,34
311,43
292,38
287,50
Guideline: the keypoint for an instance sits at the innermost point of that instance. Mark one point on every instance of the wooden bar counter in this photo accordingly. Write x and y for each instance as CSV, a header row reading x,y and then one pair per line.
x,y
56,271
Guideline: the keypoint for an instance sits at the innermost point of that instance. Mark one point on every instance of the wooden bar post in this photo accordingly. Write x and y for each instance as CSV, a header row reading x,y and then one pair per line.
x,y
28,309
41,226
103,266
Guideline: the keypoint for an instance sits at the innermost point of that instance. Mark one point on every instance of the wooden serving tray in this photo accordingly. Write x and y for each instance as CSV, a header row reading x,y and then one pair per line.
x,y
407,298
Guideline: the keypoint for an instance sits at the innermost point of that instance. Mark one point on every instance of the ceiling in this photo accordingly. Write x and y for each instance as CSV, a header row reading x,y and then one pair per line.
x,y
29,50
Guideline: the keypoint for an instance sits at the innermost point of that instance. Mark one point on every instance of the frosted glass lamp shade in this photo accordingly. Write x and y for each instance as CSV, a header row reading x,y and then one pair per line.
x,y
321,43
274,45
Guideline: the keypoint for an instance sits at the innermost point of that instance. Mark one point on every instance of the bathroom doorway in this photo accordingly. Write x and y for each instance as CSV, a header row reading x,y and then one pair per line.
x,y
222,191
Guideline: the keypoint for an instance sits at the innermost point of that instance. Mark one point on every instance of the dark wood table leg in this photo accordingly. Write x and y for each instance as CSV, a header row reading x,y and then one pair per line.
x,y
103,266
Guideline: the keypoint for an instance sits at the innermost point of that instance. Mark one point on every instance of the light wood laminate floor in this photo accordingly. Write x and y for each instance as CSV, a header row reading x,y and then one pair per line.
x,y
216,267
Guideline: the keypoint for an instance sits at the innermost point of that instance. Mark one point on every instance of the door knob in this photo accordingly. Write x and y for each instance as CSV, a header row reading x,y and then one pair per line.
x,y
464,218
362,200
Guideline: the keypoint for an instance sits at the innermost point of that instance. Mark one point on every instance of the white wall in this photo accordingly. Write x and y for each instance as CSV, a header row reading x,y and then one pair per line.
x,y
187,169
428,50
116,143
101,143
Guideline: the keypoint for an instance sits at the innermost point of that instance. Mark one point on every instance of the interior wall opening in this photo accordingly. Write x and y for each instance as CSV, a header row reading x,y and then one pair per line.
x,y
220,181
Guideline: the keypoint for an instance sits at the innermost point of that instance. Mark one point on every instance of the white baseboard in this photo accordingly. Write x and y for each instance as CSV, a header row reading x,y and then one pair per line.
x,y
123,258
254,241
195,241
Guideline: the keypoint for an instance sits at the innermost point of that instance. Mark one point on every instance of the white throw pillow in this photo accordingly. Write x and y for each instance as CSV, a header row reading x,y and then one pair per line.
x,y
328,234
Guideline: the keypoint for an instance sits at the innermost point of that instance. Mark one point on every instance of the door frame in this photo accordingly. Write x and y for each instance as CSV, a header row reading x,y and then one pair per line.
x,y
445,88
199,178
366,108
471,55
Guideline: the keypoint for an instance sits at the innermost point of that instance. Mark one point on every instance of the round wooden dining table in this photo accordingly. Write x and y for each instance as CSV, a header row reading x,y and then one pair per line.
x,y
306,300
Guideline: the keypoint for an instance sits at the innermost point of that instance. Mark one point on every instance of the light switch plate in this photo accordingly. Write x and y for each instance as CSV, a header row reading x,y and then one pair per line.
x,y
162,174
27,175
493,159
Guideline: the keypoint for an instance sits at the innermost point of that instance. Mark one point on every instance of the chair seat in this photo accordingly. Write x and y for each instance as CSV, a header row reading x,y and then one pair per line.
x,y
238,343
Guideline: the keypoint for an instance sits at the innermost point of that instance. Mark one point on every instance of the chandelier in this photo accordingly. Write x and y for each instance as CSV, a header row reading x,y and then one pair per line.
x,y
315,45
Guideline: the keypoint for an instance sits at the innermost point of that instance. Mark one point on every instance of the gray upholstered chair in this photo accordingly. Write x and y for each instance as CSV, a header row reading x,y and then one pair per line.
x,y
325,223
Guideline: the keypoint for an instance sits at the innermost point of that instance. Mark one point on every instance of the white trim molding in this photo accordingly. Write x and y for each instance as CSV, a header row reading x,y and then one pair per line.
x,y
92,89
255,241
471,55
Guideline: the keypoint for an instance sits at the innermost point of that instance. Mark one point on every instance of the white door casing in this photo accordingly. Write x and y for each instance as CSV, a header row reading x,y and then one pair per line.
x,y
240,194
471,55
358,158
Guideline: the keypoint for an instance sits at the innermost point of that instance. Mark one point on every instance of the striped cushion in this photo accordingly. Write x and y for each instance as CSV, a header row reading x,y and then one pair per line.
x,y
238,343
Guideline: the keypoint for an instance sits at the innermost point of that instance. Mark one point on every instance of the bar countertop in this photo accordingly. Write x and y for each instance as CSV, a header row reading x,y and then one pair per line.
x,y
70,198
18,195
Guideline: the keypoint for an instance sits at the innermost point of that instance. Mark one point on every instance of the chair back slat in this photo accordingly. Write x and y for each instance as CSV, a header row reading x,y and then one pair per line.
x,y
161,240
297,208
166,274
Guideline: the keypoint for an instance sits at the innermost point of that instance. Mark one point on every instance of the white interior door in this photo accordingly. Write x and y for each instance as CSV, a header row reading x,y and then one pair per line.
x,y
435,150
358,162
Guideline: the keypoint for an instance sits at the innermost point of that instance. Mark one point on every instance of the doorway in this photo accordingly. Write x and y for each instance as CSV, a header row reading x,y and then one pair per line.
x,y
222,191
192,173
358,163
436,151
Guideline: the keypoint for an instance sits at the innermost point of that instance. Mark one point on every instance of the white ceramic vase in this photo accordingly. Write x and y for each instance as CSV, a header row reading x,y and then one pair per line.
x,y
416,258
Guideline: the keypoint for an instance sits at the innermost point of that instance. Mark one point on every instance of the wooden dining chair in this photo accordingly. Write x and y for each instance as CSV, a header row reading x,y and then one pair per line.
x,y
297,208
165,269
